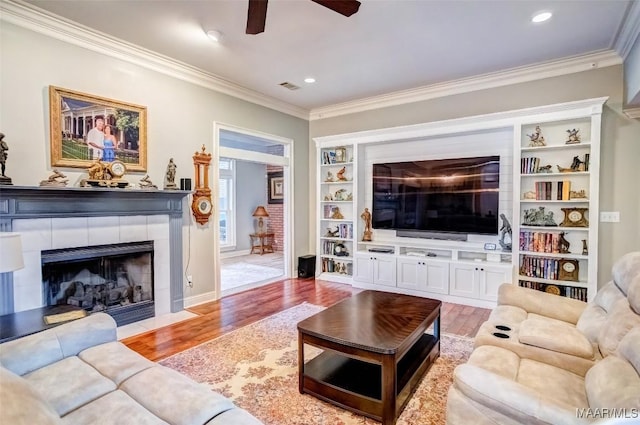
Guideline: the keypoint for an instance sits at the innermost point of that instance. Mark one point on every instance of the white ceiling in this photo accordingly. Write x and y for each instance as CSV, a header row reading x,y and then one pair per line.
x,y
388,46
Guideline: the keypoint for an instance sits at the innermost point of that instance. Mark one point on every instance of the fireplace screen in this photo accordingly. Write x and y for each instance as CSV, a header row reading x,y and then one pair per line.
x,y
116,279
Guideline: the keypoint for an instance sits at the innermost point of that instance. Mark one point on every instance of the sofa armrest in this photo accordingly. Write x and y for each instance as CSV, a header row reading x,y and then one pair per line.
x,y
541,303
35,351
511,399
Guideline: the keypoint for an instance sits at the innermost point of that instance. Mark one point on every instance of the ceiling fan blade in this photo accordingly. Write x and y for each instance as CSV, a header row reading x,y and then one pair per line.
x,y
256,16
343,7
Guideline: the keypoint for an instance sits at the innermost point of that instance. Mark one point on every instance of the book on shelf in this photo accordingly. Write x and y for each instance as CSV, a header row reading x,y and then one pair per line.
x,y
529,165
565,291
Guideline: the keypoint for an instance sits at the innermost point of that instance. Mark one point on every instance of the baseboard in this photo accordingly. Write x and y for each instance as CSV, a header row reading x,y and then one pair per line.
x,y
199,299
231,254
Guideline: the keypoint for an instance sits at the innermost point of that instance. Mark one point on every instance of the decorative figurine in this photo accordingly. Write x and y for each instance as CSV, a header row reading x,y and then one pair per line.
x,y
340,195
585,250
576,165
505,231
55,180
336,214
328,197
545,169
146,183
536,139
538,217
366,216
329,177
529,195
341,176
170,176
563,244
331,233
4,154
580,194
574,137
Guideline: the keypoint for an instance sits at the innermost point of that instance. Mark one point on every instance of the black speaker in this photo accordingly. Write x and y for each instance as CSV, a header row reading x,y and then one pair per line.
x,y
185,184
307,266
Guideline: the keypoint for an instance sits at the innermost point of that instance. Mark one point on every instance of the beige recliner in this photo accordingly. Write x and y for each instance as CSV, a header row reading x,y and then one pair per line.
x,y
560,356
564,332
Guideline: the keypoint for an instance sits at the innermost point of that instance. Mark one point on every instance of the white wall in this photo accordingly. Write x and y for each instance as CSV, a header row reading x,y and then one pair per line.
x,y
251,191
632,74
180,120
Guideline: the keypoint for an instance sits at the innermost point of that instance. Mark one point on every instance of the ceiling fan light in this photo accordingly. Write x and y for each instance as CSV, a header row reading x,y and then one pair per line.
x,y
541,17
214,35
309,80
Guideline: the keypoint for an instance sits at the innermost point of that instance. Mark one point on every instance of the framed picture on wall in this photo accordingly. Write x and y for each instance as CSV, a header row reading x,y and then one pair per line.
x,y
85,128
276,187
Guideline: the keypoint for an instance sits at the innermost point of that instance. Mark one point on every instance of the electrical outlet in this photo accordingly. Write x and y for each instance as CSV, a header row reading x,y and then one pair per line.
x,y
609,216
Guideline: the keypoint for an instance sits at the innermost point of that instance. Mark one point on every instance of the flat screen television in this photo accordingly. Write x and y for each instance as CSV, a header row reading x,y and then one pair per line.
x,y
456,195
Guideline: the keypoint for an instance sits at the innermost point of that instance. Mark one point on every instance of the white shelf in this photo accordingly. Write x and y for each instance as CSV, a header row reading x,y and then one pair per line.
x,y
552,201
337,257
343,182
336,202
555,255
556,147
327,238
339,220
556,175
555,282
336,164
557,228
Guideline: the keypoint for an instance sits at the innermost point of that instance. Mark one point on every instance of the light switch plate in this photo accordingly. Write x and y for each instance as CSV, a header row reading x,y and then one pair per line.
x,y
609,216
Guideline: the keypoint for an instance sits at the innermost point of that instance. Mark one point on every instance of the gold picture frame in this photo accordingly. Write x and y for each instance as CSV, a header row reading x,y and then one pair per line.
x,y
77,139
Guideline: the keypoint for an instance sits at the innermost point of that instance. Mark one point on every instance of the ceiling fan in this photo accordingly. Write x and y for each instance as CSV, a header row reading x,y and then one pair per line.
x,y
257,13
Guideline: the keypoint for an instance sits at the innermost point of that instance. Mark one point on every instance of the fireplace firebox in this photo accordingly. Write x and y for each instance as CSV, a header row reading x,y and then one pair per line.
x,y
115,279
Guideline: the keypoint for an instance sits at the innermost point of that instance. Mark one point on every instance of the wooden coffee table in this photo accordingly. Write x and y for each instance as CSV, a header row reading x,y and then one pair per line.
x,y
376,347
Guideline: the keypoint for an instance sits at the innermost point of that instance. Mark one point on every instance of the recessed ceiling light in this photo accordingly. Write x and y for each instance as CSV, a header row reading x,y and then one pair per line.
x,y
214,35
309,80
541,17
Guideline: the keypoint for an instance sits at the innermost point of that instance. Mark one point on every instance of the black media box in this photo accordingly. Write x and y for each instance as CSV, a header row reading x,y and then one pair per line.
x,y
307,266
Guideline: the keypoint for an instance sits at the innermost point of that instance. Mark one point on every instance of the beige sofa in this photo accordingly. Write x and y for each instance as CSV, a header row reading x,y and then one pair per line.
x,y
553,356
78,373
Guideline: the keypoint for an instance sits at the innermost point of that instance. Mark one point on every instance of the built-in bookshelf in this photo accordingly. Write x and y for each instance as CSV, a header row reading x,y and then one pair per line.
x,y
558,156
336,175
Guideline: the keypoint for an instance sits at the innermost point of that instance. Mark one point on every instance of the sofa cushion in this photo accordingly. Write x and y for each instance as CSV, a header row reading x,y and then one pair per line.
x,y
625,270
191,402
20,403
69,384
502,362
556,336
553,384
507,315
115,361
613,383
32,352
113,408
619,322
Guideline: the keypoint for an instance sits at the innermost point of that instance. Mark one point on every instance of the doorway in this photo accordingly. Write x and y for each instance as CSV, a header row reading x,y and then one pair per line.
x,y
253,184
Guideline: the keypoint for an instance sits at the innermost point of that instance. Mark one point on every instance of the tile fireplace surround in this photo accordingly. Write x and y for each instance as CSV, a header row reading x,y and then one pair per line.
x,y
55,218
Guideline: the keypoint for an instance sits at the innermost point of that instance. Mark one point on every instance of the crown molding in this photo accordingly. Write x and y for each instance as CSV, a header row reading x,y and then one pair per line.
x,y
465,85
630,30
38,20
632,112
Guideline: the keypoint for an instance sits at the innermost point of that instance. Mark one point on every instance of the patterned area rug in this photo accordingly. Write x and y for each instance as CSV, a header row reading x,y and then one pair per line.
x,y
256,366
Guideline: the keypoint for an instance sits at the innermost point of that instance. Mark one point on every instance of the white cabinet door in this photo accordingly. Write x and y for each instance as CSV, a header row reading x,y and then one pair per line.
x,y
491,277
363,268
410,274
384,270
464,280
436,276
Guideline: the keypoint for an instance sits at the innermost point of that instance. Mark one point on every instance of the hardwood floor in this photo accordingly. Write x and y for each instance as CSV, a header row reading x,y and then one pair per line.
x,y
235,311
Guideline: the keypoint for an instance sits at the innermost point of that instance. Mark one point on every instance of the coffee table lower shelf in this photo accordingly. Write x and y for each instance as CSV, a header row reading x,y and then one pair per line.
x,y
356,384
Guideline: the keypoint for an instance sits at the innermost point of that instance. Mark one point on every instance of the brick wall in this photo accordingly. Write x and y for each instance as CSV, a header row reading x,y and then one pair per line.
x,y
276,215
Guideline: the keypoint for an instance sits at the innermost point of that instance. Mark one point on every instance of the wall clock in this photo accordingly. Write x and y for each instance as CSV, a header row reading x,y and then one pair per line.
x,y
201,205
575,217
568,270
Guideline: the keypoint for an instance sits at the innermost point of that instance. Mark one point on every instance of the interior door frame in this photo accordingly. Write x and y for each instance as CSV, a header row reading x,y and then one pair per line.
x,y
245,155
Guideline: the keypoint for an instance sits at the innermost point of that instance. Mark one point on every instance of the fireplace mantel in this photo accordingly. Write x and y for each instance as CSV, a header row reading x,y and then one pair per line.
x,y
24,202
38,202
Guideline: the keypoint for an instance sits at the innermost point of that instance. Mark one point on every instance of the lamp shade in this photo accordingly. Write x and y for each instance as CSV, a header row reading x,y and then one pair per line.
x,y
260,212
10,252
